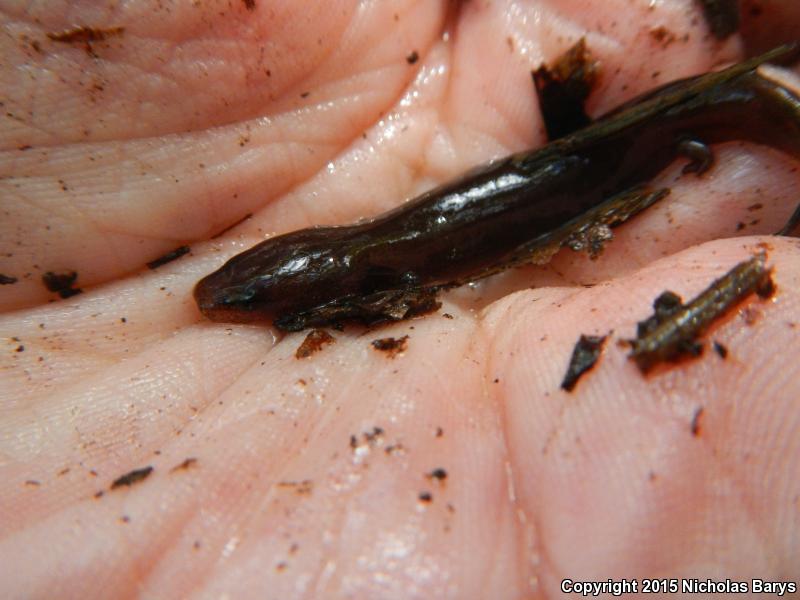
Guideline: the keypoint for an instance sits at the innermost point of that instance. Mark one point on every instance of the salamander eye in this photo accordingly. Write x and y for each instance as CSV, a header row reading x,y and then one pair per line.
x,y
378,278
237,296
410,279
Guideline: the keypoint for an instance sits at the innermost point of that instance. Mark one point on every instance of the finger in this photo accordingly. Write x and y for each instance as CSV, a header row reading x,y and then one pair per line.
x,y
661,471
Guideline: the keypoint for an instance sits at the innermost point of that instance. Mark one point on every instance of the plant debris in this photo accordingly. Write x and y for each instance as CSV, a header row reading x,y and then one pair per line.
x,y
315,340
168,257
563,88
584,356
672,331
85,34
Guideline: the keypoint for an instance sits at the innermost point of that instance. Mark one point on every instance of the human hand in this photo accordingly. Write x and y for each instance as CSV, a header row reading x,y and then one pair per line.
x,y
309,477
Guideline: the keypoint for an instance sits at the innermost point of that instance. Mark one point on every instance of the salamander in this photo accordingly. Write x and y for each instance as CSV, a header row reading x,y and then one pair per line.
x,y
523,207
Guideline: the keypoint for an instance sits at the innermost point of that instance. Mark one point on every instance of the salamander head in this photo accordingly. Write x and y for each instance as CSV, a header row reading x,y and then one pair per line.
x,y
285,274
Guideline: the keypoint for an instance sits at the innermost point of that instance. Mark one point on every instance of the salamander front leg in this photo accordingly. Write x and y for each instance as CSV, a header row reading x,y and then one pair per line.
x,y
700,156
369,309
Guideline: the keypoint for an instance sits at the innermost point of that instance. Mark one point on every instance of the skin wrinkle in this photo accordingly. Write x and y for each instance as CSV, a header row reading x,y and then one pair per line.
x,y
75,58
728,461
148,561
527,572
90,380
482,339
741,486
308,206
253,518
285,139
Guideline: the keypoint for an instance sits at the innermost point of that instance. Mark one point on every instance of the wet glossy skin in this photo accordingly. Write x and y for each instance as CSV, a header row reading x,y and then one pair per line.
x,y
391,267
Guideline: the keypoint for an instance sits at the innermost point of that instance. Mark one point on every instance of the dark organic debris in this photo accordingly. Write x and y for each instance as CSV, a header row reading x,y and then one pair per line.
x,y
390,345
672,331
131,478
61,283
168,257
722,17
584,356
7,279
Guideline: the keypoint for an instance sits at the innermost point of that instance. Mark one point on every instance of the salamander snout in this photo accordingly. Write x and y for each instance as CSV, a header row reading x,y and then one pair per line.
x,y
222,301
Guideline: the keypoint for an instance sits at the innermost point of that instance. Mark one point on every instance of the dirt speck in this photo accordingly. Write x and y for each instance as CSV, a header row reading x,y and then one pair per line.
x,y
301,488
313,343
185,465
131,478
61,283
437,474
662,35
390,345
696,425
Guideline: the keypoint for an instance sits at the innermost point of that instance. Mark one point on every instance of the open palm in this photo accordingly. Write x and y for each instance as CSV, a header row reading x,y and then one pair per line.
x,y
457,468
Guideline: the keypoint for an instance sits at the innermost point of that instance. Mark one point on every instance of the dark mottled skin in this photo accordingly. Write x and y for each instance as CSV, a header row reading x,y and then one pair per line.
x,y
390,268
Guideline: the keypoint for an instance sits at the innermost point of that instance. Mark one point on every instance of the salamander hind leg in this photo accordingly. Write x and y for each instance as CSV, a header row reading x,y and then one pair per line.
x,y
593,229
700,156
